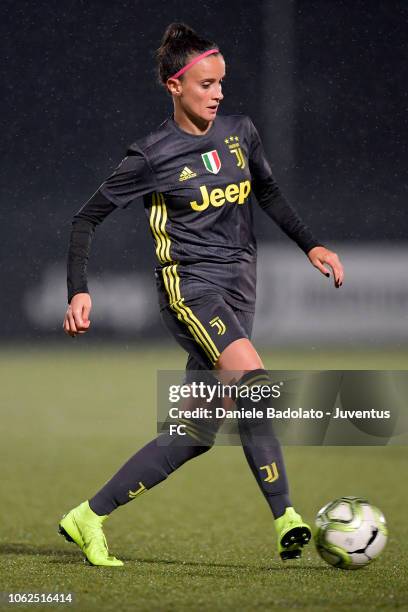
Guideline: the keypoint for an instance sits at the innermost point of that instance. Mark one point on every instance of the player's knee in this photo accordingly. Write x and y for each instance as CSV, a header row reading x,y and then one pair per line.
x,y
238,358
201,449
182,448
201,441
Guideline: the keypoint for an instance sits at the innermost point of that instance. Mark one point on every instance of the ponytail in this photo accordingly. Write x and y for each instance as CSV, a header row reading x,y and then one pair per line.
x,y
179,44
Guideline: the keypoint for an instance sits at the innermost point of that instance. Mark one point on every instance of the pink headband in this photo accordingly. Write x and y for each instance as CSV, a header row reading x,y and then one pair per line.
x,y
194,61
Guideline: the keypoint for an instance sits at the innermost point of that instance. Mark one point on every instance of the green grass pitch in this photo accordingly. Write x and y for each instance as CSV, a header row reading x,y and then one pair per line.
x,y
204,539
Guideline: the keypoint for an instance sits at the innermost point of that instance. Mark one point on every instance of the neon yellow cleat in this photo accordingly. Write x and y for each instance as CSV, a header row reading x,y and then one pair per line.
x,y
83,527
293,534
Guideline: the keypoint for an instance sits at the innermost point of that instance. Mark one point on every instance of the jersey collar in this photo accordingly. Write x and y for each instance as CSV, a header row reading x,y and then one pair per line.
x,y
178,129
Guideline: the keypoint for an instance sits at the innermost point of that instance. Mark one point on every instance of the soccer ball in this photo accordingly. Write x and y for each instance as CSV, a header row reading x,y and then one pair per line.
x,y
350,532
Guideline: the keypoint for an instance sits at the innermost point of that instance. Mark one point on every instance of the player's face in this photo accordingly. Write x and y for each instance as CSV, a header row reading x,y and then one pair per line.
x,y
201,90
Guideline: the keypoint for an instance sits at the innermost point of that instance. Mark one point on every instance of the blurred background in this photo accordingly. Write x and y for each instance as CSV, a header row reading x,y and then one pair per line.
x,y
324,82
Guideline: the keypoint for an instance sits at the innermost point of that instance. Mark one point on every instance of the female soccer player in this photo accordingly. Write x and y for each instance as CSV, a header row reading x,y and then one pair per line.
x,y
196,173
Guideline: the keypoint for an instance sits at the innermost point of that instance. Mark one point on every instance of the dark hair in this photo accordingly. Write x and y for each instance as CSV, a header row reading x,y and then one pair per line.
x,y
178,44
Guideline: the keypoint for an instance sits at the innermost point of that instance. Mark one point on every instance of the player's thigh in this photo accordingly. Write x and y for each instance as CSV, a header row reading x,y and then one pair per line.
x,y
238,358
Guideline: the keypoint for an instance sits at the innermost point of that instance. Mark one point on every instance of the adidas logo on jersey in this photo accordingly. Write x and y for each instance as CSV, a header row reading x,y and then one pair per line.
x,y
186,174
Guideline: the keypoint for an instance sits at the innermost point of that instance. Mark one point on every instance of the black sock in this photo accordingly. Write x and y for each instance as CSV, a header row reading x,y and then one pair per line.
x,y
261,447
150,465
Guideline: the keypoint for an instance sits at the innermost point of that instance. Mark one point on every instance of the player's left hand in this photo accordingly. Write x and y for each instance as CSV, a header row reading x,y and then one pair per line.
x,y
319,256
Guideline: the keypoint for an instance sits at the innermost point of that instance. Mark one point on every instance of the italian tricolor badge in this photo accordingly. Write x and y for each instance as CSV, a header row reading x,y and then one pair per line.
x,y
211,161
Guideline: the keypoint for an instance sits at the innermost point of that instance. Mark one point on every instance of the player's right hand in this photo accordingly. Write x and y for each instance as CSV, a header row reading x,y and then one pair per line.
x,y
76,320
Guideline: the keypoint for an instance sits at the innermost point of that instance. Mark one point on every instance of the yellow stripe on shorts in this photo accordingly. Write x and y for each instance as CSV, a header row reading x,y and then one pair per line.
x,y
186,315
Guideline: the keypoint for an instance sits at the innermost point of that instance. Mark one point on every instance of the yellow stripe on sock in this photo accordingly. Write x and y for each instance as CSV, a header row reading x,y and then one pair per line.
x,y
257,379
194,430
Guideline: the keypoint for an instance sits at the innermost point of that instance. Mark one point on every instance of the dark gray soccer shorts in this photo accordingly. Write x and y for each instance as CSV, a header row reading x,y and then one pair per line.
x,y
204,327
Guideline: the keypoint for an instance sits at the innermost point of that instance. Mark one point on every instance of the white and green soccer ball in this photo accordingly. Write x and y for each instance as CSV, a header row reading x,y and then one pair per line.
x,y
350,532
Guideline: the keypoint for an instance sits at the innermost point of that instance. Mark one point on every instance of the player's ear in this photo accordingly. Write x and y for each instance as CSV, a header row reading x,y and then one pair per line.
x,y
174,86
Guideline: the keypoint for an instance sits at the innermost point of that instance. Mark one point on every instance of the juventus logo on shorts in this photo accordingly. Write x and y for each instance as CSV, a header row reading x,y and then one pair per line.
x,y
235,149
219,324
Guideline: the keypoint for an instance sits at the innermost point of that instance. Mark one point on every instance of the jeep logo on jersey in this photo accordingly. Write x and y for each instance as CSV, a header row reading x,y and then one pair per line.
x,y
212,161
217,197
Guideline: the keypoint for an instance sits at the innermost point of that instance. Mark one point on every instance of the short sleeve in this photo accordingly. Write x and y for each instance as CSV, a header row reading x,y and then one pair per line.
x,y
133,178
258,164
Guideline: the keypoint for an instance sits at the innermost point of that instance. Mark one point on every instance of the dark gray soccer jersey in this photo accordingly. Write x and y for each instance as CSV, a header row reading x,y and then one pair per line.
x,y
197,198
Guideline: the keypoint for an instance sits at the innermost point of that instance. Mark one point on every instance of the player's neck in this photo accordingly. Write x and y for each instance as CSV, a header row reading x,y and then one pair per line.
x,y
190,124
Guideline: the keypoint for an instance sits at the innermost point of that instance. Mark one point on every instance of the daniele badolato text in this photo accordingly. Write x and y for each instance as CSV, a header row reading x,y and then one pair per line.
x,y
208,393
273,413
